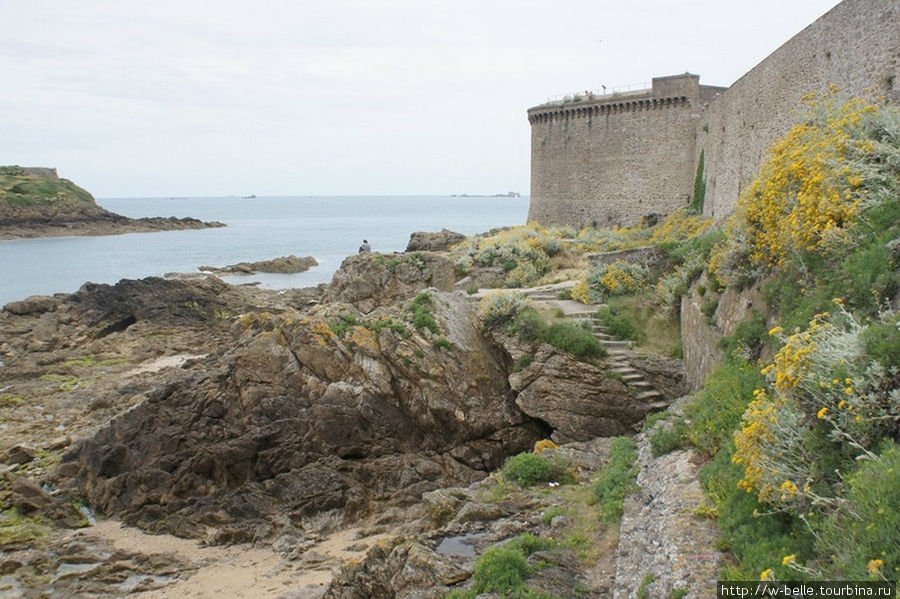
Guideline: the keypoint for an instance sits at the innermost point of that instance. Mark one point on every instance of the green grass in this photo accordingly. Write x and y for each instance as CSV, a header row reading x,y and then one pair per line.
x,y
29,190
640,318
569,337
616,479
421,314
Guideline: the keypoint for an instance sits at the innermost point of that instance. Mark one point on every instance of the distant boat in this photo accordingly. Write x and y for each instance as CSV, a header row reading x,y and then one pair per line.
x,y
249,197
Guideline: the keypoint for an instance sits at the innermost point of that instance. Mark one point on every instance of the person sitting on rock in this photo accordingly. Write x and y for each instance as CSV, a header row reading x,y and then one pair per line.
x,y
365,247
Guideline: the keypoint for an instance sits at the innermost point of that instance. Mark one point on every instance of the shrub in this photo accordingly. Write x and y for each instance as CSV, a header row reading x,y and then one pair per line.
x,y
528,469
573,339
616,479
668,438
813,185
500,307
421,313
867,529
618,325
716,410
503,570
442,343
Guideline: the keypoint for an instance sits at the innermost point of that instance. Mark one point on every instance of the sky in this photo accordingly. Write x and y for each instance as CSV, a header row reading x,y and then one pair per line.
x,y
130,98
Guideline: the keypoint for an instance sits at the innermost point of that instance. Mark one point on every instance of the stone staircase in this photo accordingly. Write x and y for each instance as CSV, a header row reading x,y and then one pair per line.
x,y
633,378
639,386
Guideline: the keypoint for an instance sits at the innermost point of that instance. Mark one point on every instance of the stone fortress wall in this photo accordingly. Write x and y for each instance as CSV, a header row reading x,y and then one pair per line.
x,y
613,158
608,158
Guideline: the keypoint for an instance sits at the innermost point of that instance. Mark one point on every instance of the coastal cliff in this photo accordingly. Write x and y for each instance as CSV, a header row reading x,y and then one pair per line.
x,y
35,202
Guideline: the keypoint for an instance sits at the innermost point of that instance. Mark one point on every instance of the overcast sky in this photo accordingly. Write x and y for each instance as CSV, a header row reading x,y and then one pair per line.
x,y
329,97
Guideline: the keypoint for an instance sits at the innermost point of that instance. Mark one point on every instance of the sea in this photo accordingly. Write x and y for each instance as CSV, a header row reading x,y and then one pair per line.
x,y
328,228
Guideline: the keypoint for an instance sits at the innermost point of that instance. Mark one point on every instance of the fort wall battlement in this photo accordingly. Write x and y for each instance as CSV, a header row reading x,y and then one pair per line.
x,y
611,159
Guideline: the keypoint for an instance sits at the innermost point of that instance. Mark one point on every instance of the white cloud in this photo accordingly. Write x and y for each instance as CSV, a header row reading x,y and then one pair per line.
x,y
367,96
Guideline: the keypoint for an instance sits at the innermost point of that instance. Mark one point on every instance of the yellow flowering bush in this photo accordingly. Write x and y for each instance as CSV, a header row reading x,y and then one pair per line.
x,y
523,252
618,278
809,191
679,226
821,382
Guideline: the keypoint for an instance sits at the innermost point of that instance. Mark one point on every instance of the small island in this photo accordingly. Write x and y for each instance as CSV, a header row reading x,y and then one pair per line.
x,y
36,202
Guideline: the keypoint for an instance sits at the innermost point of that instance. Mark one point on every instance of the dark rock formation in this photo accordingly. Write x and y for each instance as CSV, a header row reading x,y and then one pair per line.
x,y
433,242
284,264
294,421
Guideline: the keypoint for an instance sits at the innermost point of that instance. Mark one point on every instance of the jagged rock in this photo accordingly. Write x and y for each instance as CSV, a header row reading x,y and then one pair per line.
x,y
578,400
398,569
433,242
296,421
19,454
284,264
371,280
35,304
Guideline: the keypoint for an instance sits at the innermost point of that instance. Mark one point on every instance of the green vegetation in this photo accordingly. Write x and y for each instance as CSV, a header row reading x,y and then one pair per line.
x,y
618,325
504,570
20,189
643,590
17,529
802,453
515,313
616,479
420,313
528,469
698,198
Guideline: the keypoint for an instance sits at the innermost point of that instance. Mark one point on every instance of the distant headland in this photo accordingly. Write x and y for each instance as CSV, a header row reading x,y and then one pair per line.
x,y
36,202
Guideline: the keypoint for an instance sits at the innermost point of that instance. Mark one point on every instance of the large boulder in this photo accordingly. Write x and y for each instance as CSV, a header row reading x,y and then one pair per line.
x,y
440,241
371,280
579,400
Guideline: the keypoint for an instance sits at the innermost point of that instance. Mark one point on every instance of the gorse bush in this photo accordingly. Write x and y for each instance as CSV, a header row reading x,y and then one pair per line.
x,y
813,186
806,487
606,280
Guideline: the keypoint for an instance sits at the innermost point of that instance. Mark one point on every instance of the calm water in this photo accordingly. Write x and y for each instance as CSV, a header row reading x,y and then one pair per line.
x,y
329,228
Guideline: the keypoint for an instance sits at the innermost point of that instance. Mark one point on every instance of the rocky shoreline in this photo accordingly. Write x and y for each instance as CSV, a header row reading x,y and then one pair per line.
x,y
106,223
231,414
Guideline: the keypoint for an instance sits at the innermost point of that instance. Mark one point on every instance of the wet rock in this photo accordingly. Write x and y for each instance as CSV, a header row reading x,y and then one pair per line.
x,y
433,242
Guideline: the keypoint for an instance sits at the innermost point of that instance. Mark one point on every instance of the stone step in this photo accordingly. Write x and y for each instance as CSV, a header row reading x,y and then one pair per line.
x,y
632,376
614,344
639,384
659,405
645,395
624,370
543,296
